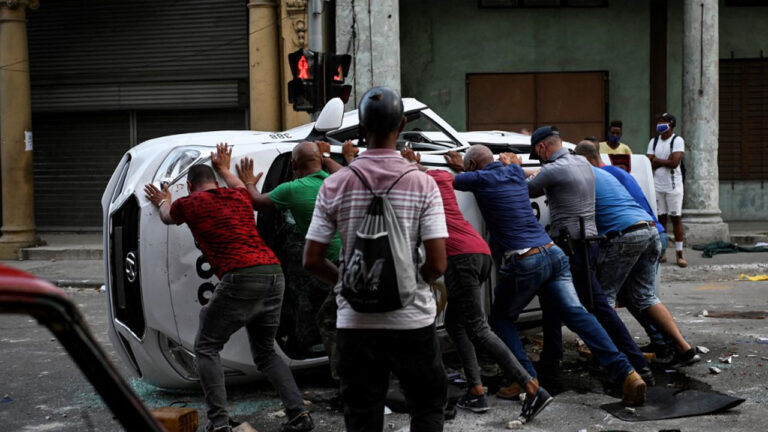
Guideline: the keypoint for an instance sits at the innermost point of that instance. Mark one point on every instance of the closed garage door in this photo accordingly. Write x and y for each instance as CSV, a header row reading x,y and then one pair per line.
x,y
573,101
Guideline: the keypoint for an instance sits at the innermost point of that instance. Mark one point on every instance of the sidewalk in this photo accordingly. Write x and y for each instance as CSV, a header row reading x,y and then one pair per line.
x,y
89,273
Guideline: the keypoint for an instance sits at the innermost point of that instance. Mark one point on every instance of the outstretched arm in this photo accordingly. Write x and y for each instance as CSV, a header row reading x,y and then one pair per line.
x,y
220,161
260,200
162,200
414,157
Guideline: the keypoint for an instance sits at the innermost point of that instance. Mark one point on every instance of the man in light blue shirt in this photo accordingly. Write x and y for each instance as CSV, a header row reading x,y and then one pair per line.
x,y
629,255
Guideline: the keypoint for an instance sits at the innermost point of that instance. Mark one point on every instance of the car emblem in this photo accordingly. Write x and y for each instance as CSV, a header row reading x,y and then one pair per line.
x,y
131,267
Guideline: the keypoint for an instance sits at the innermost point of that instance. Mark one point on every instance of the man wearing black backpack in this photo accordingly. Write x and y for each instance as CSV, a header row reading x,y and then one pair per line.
x,y
386,318
666,154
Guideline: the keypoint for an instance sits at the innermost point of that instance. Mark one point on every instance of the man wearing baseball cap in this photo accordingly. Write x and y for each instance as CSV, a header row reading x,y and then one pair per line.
x,y
569,183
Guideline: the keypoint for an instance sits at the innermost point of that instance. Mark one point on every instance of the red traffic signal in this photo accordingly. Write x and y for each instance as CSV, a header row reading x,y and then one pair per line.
x,y
303,64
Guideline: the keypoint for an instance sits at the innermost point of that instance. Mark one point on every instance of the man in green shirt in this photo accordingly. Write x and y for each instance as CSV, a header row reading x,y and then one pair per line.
x,y
298,196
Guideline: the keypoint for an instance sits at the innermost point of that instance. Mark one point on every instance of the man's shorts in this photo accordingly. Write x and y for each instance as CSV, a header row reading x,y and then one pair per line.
x,y
670,203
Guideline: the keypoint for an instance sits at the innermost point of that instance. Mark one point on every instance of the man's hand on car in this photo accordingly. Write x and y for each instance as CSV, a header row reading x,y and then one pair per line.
x,y
410,155
245,172
323,146
220,160
157,196
507,158
454,161
349,151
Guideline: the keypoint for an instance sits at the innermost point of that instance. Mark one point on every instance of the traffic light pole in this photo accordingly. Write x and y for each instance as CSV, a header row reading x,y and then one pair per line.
x,y
316,34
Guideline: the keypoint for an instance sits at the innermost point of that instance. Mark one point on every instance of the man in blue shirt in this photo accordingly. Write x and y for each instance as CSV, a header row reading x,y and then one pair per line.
x,y
630,255
661,345
532,264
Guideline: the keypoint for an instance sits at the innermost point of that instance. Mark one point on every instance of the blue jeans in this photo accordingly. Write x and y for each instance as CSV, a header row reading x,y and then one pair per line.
x,y
547,274
581,269
630,261
251,299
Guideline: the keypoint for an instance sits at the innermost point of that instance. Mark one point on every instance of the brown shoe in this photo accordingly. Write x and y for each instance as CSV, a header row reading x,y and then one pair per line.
x,y
664,257
681,262
633,390
511,392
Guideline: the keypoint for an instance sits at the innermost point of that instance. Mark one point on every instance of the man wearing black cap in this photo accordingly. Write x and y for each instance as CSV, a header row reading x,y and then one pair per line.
x,y
666,154
569,184
403,341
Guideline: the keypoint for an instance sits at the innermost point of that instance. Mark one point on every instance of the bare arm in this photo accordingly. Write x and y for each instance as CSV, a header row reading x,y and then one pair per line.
x,y
260,200
672,162
162,200
220,161
414,157
348,150
436,262
316,263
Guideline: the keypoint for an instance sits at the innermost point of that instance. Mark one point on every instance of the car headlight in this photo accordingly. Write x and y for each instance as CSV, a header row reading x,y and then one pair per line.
x,y
175,164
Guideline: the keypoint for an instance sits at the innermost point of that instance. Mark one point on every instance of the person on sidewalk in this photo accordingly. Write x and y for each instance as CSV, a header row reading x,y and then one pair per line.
x,y
532,264
629,256
403,341
250,291
298,196
614,145
469,266
659,344
569,184
666,154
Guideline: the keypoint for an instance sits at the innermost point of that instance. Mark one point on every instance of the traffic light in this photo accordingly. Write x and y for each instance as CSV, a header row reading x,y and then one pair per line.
x,y
336,69
305,90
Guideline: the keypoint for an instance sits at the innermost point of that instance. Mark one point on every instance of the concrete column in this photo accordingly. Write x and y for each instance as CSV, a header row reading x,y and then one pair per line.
x,y
264,69
293,35
18,229
369,30
702,219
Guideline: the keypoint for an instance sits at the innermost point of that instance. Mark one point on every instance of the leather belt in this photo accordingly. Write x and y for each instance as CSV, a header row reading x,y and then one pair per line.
x,y
533,251
636,227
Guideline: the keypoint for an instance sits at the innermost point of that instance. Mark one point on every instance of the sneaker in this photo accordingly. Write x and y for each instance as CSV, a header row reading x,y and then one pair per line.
x,y
474,403
300,423
647,375
685,359
533,405
510,392
633,390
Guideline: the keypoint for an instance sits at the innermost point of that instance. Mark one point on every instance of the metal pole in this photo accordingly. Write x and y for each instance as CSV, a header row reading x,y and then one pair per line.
x,y
315,28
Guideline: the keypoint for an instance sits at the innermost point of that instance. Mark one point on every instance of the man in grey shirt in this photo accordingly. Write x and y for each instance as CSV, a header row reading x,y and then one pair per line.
x,y
569,183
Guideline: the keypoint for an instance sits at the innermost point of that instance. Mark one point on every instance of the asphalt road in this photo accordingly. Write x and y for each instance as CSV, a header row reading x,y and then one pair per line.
x,y
42,390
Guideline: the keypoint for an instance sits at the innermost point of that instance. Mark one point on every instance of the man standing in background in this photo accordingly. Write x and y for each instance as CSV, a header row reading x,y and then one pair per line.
x,y
614,144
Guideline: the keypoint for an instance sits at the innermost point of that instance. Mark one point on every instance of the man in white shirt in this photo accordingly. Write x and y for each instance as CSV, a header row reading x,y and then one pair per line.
x,y
666,154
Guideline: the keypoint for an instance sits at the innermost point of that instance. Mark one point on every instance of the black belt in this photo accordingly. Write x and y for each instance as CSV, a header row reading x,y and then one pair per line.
x,y
632,228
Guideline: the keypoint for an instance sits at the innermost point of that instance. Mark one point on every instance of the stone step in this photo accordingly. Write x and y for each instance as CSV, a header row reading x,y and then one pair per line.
x,y
749,239
62,253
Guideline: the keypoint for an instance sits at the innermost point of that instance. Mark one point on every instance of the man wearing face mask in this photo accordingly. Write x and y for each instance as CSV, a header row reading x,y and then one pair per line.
x,y
614,144
666,154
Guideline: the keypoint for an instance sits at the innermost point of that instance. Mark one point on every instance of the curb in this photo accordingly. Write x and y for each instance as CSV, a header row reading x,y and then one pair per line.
x,y
720,272
78,283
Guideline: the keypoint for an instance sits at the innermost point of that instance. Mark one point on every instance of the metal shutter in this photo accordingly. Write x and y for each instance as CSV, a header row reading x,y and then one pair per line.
x,y
153,124
743,139
75,155
116,54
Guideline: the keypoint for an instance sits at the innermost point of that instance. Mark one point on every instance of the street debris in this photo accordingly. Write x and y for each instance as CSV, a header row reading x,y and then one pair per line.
x,y
703,313
726,360
715,370
277,414
103,288
6,399
702,349
515,424
737,314
630,411
244,427
387,411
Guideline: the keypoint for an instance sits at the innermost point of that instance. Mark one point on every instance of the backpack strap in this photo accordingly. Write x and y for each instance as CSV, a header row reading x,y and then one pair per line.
x,y
368,186
655,141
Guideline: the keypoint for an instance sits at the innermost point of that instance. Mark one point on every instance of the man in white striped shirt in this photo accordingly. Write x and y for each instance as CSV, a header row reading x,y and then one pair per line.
x,y
372,344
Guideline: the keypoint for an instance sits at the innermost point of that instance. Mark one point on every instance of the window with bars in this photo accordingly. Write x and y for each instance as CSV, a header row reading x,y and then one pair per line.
x,y
743,140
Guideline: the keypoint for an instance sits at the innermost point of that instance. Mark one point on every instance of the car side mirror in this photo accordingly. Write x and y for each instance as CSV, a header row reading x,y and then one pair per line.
x,y
331,116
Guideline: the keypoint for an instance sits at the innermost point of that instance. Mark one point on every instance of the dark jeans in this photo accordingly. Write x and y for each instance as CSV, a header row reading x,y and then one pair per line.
x,y
465,319
365,359
546,274
251,299
605,314
326,324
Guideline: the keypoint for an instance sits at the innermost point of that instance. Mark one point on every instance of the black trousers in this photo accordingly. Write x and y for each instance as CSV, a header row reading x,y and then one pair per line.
x,y
365,359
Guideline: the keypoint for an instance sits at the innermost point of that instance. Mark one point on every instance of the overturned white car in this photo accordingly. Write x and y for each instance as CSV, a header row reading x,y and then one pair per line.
x,y
157,279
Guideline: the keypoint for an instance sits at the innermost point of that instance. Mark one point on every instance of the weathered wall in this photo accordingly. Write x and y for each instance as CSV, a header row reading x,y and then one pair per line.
x,y
744,200
443,40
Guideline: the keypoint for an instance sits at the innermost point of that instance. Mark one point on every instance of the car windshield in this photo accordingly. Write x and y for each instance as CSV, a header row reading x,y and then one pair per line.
x,y
420,133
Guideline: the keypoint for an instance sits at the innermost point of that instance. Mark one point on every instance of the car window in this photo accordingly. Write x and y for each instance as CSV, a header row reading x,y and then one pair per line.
x,y
420,133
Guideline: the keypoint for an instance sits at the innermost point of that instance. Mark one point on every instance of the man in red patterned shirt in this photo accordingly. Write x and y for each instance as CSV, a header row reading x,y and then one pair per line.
x,y
250,291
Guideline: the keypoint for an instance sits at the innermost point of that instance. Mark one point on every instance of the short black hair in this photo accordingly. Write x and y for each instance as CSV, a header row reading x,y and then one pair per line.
x,y
617,123
200,174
